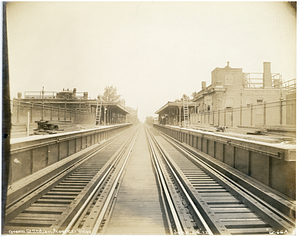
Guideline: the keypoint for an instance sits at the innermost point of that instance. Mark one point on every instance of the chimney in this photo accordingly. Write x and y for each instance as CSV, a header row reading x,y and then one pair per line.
x,y
85,95
203,85
19,95
267,77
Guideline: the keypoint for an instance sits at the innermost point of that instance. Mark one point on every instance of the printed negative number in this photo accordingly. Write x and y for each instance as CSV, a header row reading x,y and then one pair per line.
x,y
278,232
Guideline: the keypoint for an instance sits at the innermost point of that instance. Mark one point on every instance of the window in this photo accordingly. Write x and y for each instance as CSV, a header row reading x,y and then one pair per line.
x,y
260,101
228,79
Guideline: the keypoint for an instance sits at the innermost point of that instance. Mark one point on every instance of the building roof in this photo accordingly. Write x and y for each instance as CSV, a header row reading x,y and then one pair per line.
x,y
172,105
115,105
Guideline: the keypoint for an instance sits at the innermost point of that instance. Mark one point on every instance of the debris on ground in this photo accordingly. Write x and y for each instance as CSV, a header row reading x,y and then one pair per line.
x,y
54,127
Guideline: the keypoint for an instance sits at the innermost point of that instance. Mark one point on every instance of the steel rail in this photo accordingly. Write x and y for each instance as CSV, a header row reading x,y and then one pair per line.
x,y
161,191
112,190
202,220
72,166
211,169
82,208
165,188
33,195
197,158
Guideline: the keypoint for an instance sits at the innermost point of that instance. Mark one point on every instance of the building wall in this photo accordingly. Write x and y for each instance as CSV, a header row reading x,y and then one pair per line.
x,y
132,117
251,96
291,109
257,98
231,78
228,92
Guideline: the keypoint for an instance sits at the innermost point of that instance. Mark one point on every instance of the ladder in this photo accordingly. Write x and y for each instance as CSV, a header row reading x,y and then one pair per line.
x,y
186,112
98,113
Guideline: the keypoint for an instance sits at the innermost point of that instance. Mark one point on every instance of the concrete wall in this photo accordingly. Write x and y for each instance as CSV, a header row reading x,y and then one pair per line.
x,y
271,165
33,154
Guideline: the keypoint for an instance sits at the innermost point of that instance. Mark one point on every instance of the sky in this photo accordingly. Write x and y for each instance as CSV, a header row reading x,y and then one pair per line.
x,y
152,52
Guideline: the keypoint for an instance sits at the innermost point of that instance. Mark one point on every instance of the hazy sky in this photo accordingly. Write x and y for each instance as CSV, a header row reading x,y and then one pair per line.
x,y
153,52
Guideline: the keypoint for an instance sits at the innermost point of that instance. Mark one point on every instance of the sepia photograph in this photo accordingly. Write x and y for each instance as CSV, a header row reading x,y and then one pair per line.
x,y
149,118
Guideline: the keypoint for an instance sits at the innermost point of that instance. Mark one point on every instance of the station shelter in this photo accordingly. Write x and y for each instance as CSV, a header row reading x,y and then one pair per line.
x,y
66,105
172,113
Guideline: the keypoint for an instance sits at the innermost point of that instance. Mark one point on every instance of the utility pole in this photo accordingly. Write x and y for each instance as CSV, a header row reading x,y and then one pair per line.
x,y
43,103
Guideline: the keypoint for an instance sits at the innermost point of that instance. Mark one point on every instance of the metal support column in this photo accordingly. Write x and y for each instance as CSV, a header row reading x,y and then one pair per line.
x,y
180,124
265,113
241,115
105,112
251,111
225,110
280,111
31,113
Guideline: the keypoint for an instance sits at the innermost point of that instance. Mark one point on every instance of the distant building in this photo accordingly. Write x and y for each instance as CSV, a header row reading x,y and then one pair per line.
x,y
235,98
65,105
132,116
173,112
64,94
231,88
149,120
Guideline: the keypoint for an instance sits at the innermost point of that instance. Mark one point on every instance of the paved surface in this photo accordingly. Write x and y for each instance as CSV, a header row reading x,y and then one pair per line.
x,y
137,210
242,133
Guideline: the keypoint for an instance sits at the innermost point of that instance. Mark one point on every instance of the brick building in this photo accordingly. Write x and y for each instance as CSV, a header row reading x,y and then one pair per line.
x,y
236,98
232,88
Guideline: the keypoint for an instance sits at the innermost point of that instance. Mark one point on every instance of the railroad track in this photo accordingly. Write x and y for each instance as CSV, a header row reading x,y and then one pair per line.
x,y
208,202
182,219
196,196
60,205
92,217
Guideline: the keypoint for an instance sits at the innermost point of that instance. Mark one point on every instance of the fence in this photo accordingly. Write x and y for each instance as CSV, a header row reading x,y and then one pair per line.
x,y
276,113
38,112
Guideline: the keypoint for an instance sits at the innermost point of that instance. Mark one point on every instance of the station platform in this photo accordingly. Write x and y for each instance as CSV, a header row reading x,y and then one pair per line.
x,y
269,158
31,154
284,134
137,210
61,133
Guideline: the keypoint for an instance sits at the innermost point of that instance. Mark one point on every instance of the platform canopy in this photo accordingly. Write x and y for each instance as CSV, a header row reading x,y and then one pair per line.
x,y
76,103
173,105
113,106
